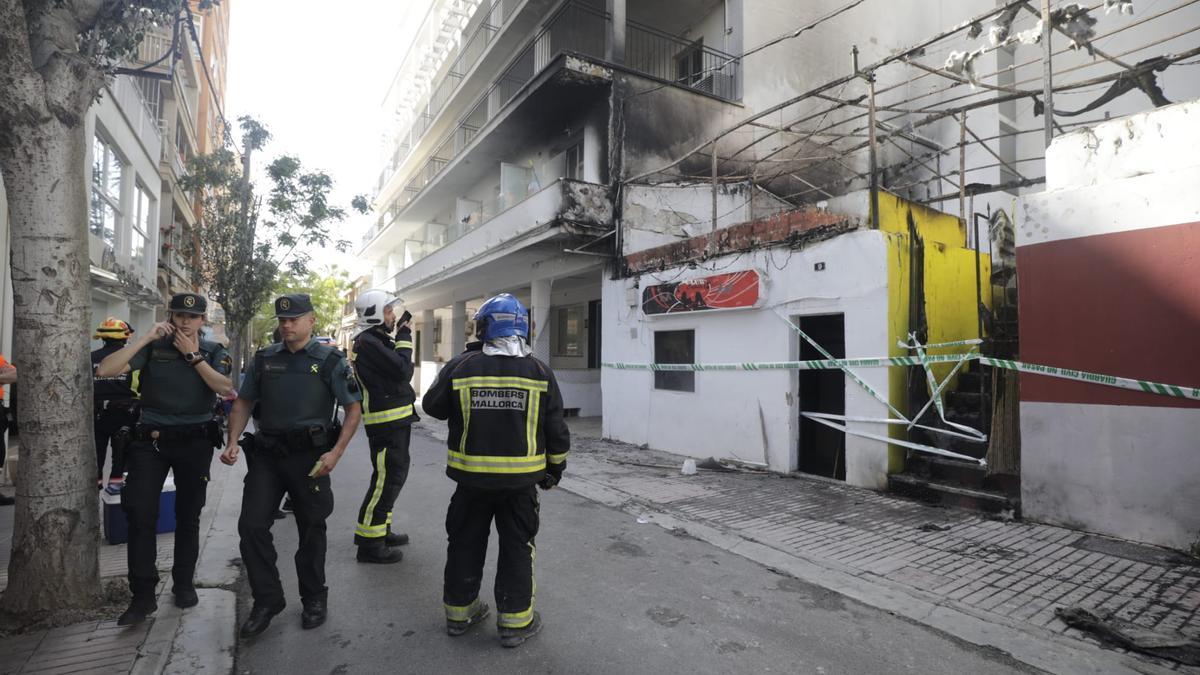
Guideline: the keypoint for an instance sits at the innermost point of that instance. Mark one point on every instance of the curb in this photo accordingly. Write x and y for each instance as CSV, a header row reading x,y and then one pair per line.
x,y
1034,646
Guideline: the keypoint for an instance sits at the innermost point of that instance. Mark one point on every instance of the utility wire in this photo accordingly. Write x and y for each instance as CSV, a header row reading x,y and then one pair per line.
x,y
212,88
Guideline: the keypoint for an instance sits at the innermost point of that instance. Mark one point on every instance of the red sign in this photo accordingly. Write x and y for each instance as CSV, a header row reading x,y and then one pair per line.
x,y
732,290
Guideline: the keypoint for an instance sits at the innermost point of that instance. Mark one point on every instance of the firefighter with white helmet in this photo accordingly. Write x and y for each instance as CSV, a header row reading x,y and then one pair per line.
x,y
384,366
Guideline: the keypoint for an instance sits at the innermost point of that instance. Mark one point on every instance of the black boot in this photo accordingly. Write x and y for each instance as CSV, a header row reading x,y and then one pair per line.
x,y
314,614
394,539
514,637
185,596
382,555
456,628
139,608
260,618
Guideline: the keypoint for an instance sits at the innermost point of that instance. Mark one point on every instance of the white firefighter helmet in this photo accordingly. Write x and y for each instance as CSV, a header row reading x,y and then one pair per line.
x,y
369,306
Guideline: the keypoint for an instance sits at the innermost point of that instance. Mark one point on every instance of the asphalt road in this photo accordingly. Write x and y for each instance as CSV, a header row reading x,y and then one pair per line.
x,y
616,596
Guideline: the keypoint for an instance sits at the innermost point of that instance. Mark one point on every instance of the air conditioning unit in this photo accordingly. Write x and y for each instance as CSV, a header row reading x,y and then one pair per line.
x,y
717,84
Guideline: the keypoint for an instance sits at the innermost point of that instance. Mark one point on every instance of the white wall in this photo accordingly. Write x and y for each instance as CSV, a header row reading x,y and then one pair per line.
x,y
1127,471
1096,458
654,215
751,415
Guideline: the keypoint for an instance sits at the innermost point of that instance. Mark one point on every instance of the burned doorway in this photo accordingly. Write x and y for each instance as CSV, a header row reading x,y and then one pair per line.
x,y
822,450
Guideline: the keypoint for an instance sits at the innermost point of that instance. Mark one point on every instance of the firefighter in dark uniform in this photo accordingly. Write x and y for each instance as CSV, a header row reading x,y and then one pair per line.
x,y
115,405
384,367
297,383
180,377
507,435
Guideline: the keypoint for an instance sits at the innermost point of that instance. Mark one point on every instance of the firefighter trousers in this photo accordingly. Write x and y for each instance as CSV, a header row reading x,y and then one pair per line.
x,y
389,461
468,523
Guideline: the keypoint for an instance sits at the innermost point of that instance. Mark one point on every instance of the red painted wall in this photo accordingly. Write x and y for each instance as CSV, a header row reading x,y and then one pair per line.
x,y
1125,304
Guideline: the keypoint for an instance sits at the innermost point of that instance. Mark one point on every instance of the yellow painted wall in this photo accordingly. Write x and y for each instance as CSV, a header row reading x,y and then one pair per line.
x,y
950,295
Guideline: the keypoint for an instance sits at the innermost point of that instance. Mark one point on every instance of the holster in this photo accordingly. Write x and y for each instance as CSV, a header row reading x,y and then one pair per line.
x,y
214,434
122,439
249,445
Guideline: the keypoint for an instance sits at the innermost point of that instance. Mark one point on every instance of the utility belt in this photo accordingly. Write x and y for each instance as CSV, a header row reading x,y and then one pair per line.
x,y
122,404
283,443
209,431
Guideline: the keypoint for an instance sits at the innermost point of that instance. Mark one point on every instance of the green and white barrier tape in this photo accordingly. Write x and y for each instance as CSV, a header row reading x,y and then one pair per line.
x,y
817,364
1096,378
1147,386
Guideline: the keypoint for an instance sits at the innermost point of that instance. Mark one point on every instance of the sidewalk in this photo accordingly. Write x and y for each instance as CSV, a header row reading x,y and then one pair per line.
x,y
171,639
986,581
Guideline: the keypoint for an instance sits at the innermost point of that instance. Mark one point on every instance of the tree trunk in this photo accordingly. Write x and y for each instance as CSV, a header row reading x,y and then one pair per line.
x,y
55,544
237,352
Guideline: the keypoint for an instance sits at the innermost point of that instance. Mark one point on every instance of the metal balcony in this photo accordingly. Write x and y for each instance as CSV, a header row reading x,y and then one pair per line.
x,y
575,27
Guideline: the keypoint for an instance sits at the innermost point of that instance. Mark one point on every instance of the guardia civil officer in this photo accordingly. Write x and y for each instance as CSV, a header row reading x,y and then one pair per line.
x,y
114,403
296,383
180,375
384,367
507,435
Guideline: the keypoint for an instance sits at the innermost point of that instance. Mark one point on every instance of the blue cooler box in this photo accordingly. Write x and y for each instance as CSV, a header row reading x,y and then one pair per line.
x,y
116,527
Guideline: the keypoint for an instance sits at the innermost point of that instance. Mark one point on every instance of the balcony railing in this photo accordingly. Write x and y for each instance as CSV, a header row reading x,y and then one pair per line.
x,y
575,27
129,97
482,29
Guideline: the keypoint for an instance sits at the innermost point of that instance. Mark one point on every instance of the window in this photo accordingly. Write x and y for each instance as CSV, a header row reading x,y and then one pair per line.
x,y
105,209
675,346
574,160
569,331
142,218
437,331
689,64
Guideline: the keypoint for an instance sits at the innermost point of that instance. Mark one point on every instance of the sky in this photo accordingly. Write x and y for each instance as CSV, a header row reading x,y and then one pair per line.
x,y
315,73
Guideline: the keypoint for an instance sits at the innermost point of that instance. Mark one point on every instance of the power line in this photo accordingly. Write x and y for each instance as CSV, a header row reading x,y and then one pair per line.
x,y
212,88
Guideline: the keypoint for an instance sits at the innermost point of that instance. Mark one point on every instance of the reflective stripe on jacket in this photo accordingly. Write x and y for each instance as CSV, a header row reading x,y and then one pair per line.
x,y
505,417
384,368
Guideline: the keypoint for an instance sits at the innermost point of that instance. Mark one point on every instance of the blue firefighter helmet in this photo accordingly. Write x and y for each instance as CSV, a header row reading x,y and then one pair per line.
x,y
501,316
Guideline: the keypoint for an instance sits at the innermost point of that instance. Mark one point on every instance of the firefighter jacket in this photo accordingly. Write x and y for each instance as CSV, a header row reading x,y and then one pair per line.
x,y
385,368
505,416
121,387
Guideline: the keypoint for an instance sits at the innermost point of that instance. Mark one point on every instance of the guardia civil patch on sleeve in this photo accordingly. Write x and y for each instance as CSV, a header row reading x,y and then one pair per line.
x,y
226,362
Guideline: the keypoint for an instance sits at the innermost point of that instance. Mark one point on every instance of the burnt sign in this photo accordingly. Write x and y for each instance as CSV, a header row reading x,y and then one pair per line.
x,y
732,290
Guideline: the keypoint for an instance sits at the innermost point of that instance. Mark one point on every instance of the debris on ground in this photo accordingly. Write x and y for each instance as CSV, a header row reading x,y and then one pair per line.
x,y
1171,646
713,465
934,527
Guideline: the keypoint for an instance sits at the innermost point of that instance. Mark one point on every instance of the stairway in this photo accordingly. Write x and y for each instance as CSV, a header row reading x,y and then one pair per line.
x,y
955,482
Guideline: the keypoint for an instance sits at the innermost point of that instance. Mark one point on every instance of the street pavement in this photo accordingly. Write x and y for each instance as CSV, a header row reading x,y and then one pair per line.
x,y
617,596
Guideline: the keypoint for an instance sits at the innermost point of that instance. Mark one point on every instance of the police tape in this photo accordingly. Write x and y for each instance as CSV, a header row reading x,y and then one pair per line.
x,y
816,364
830,421
1096,378
1147,386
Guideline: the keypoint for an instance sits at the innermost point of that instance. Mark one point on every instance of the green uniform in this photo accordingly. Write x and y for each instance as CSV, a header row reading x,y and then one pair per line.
x,y
172,392
177,405
296,392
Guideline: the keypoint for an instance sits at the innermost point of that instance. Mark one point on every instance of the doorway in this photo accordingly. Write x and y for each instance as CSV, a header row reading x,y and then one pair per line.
x,y
822,450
